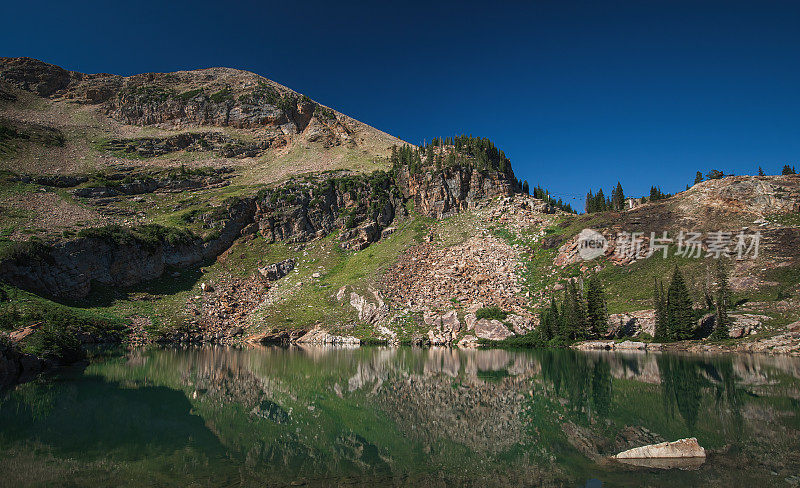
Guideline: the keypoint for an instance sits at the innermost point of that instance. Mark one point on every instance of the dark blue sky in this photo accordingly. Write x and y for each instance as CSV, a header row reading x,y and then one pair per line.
x,y
578,94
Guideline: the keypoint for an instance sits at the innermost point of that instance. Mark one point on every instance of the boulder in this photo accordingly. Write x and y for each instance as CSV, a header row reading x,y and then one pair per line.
x,y
492,329
468,341
745,324
276,271
682,448
318,335
521,325
369,312
438,338
450,322
470,320
632,324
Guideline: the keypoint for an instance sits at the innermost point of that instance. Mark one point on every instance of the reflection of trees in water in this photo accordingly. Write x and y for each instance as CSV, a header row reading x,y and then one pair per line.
x,y
601,388
681,385
684,382
585,382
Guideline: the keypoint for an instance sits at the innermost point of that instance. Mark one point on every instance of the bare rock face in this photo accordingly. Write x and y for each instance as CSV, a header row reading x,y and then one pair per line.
x,y
34,75
632,324
450,322
746,194
745,324
360,206
682,448
468,341
368,311
276,271
444,329
458,188
276,336
470,320
521,325
492,329
436,337
67,269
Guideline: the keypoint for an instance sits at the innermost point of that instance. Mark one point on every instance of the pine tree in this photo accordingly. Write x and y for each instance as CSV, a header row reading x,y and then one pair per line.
x,y
788,170
698,177
600,201
660,334
680,315
526,189
618,198
760,171
722,302
555,319
596,309
573,312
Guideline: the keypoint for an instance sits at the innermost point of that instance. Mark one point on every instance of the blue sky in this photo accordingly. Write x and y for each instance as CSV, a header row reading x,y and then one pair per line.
x,y
578,94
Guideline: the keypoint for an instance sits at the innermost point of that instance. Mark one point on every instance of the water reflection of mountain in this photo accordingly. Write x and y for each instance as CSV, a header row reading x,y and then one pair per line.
x,y
433,416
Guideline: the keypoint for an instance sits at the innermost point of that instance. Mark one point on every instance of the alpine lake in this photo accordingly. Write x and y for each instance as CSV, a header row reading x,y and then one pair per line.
x,y
375,416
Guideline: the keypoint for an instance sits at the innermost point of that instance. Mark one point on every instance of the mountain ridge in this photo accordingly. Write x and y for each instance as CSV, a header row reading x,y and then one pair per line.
x,y
156,205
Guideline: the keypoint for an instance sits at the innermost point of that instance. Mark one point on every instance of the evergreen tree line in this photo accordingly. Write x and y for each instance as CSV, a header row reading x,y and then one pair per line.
x,y
542,194
716,174
466,151
600,203
478,151
579,316
675,317
656,194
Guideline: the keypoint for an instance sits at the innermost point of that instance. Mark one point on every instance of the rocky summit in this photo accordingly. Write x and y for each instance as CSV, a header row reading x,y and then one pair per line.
x,y
217,206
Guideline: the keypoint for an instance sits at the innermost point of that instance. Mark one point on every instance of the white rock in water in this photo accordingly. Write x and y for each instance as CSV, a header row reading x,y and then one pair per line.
x,y
682,448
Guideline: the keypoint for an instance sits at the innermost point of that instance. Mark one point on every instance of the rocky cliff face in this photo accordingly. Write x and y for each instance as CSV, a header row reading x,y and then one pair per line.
x,y
220,97
360,205
67,270
453,189
363,207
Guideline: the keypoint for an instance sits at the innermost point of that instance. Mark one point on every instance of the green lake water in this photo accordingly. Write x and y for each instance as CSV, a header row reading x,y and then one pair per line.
x,y
374,416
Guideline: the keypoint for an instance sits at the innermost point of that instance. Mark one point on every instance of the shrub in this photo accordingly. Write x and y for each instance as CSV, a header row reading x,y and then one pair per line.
x,y
221,96
188,95
148,235
490,313
27,252
55,342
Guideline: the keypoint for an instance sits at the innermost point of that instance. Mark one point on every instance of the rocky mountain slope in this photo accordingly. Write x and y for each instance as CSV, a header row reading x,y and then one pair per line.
x,y
218,206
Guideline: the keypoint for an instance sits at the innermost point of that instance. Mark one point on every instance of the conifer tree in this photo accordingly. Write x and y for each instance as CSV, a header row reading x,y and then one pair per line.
x,y
680,315
596,309
618,198
721,302
698,177
660,333
573,313
760,171
526,188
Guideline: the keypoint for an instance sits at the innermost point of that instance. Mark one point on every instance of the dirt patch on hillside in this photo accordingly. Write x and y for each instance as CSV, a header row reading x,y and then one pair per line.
x,y
51,212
